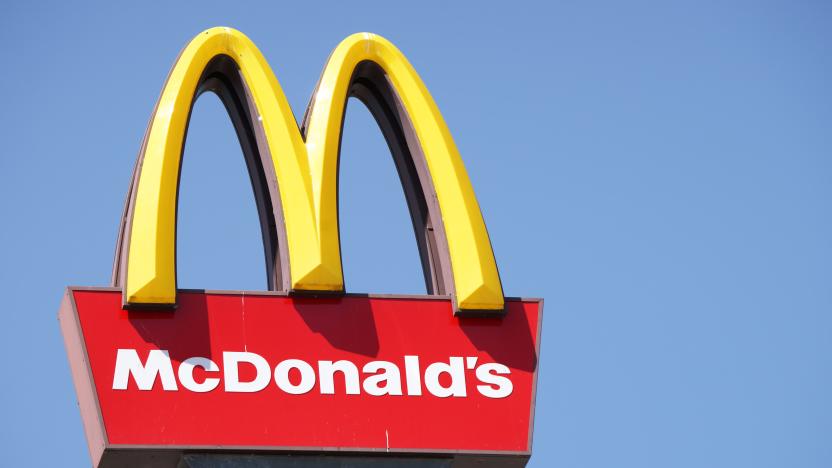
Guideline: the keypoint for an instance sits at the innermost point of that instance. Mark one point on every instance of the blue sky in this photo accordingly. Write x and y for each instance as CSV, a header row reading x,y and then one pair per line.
x,y
659,172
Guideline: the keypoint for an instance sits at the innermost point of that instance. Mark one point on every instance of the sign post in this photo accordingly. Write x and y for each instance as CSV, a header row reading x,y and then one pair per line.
x,y
304,374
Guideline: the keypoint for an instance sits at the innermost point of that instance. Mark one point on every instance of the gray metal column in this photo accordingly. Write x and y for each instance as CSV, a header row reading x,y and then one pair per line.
x,y
306,461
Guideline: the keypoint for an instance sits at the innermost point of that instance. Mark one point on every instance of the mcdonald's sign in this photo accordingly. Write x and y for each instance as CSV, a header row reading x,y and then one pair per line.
x,y
304,368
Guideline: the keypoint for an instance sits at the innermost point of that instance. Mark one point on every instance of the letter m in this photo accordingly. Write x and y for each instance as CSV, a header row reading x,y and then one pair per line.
x,y
158,363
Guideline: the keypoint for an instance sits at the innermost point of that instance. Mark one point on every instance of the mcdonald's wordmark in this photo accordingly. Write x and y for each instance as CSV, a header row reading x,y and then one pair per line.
x,y
304,367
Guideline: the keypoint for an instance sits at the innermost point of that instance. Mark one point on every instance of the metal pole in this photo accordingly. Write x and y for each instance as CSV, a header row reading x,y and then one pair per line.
x,y
307,461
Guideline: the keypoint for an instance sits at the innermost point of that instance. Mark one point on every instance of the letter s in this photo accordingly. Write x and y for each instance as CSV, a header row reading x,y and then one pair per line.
x,y
486,374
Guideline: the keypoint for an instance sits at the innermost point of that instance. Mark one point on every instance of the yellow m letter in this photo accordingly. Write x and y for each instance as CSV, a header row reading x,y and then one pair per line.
x,y
294,171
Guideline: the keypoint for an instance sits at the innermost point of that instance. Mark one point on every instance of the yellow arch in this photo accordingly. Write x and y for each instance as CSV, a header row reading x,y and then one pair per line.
x,y
306,171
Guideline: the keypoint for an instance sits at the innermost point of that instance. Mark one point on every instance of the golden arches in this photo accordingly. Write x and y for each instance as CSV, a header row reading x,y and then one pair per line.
x,y
301,181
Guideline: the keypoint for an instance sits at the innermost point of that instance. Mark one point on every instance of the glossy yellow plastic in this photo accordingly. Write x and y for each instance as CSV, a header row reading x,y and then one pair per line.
x,y
306,171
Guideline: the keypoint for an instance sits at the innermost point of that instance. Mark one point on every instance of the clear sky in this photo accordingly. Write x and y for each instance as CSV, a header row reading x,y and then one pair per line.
x,y
659,172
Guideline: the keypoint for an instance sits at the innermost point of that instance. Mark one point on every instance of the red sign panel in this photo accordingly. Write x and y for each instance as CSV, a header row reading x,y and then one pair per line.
x,y
253,371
